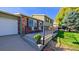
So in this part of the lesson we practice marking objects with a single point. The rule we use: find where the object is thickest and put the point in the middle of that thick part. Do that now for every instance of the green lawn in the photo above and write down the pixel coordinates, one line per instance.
(69, 39)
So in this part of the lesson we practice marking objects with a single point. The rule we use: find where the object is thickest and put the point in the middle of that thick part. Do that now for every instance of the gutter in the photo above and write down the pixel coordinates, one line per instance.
(8, 13)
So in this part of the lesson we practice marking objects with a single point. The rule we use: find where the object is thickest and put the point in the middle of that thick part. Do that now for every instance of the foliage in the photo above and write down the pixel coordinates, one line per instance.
(71, 21)
(64, 11)
(69, 39)
(37, 37)
(60, 34)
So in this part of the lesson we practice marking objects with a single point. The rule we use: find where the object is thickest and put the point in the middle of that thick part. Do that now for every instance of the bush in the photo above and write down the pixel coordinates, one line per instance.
(37, 37)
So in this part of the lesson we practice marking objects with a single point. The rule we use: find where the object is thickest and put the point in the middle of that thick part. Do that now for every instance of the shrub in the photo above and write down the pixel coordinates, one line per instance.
(37, 37)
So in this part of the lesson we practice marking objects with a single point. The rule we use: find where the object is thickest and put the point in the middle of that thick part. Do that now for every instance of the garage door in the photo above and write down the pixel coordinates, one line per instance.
(8, 26)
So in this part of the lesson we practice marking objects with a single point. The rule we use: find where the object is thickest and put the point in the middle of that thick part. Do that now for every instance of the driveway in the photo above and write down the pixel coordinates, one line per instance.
(16, 43)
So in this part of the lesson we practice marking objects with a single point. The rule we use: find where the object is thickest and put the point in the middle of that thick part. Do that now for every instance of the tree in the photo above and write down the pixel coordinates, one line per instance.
(71, 21)
(64, 11)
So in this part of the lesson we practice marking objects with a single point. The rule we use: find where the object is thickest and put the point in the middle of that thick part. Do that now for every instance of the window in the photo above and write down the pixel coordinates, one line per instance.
(47, 20)
(30, 23)
(40, 25)
(35, 24)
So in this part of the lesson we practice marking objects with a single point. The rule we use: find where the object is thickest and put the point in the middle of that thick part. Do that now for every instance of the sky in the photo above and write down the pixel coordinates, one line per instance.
(50, 11)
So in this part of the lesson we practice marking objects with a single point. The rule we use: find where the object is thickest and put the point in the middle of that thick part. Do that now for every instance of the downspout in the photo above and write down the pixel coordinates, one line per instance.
(21, 34)
(43, 33)
(52, 29)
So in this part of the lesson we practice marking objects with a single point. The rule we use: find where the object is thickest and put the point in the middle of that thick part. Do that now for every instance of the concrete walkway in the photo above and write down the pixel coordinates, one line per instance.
(16, 43)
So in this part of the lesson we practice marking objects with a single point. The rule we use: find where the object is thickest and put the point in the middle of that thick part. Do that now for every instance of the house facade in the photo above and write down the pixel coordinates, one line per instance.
(18, 24)
(22, 24)
(29, 24)
(11, 24)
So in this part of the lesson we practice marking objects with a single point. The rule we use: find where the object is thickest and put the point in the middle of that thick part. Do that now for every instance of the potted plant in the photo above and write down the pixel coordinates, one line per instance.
(37, 37)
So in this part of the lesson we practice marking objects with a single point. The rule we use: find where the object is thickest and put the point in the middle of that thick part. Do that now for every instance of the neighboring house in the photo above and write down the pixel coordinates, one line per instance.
(29, 24)
(47, 20)
(47, 24)
(8, 24)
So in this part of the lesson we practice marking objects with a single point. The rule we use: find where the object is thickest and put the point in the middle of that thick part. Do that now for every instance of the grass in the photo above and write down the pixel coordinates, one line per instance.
(69, 39)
